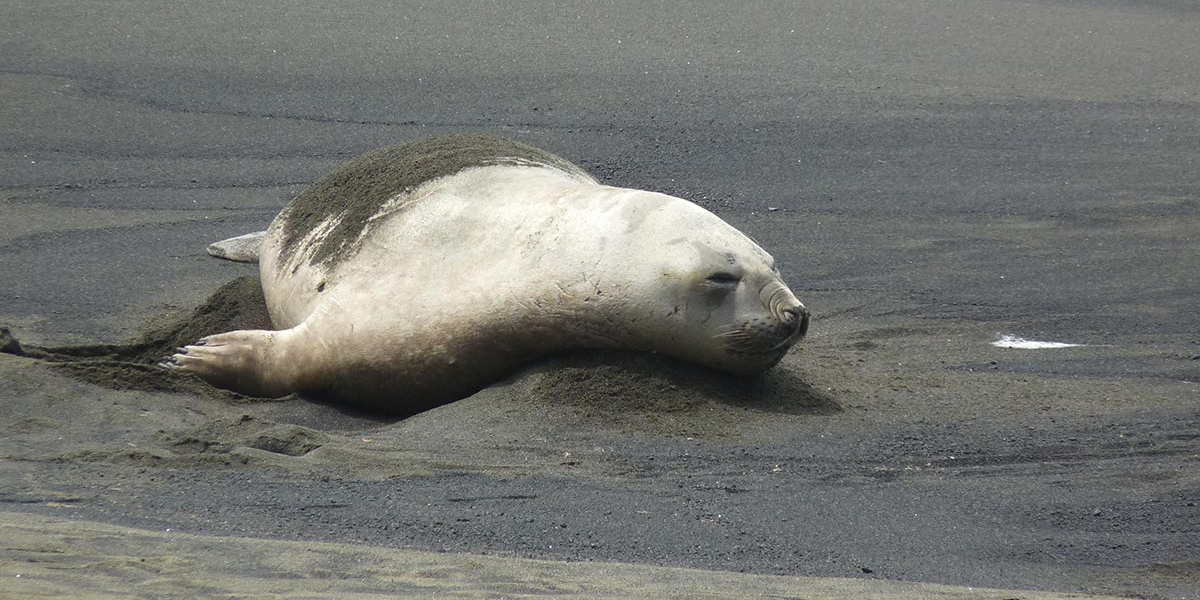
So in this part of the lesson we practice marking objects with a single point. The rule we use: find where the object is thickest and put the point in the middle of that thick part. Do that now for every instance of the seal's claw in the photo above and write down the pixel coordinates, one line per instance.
(181, 350)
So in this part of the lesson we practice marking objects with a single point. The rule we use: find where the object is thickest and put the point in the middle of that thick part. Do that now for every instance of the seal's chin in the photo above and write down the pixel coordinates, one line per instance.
(741, 363)
(767, 357)
(744, 360)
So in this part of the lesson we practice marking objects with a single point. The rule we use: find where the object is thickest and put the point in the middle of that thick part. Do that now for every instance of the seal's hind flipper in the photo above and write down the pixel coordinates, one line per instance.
(243, 248)
(243, 361)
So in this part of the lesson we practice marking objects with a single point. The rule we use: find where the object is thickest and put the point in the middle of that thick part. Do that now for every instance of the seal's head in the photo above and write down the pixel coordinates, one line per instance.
(714, 296)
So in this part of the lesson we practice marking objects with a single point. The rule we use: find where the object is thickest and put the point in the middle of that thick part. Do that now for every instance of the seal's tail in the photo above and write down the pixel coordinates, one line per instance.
(243, 248)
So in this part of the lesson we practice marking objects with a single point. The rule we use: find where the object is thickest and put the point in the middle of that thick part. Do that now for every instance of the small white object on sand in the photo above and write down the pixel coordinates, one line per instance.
(1012, 341)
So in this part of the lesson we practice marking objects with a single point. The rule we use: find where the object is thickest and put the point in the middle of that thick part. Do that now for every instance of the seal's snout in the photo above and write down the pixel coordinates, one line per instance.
(797, 316)
(788, 310)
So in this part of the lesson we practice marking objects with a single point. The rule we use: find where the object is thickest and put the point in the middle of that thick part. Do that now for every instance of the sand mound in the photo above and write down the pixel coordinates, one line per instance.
(657, 394)
(622, 387)
(133, 365)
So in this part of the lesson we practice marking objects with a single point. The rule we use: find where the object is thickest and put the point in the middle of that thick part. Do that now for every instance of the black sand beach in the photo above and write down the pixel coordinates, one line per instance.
(931, 175)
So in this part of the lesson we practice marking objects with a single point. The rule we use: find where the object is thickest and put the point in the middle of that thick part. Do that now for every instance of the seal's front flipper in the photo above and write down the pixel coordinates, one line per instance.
(243, 248)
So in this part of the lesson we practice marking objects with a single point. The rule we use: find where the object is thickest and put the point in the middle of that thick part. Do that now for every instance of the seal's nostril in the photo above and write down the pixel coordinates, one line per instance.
(792, 313)
(797, 316)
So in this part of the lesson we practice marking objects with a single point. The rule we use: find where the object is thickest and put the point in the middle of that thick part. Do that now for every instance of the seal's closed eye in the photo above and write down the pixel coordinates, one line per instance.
(723, 279)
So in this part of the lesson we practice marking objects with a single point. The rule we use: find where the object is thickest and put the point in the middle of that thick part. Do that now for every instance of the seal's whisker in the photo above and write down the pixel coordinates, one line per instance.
(734, 333)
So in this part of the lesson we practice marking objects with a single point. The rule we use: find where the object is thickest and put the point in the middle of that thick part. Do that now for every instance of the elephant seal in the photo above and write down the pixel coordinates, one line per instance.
(417, 274)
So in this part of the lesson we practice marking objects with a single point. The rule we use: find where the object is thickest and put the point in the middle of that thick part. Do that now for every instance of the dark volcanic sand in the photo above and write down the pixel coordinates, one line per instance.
(930, 175)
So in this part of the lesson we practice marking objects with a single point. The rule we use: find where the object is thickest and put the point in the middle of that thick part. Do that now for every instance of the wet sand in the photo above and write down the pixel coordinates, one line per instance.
(69, 559)
(930, 176)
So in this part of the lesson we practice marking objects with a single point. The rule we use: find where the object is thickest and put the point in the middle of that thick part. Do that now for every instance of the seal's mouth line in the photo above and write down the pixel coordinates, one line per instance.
(780, 348)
